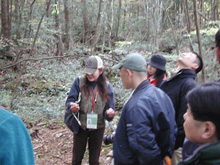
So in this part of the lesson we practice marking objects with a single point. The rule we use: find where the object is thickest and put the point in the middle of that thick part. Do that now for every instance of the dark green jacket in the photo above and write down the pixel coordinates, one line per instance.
(205, 154)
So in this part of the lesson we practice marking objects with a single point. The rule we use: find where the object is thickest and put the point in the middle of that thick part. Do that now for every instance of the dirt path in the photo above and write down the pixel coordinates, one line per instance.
(53, 146)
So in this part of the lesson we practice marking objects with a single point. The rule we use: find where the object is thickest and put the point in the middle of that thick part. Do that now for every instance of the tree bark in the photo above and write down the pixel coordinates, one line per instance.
(188, 22)
(97, 31)
(28, 30)
(59, 51)
(119, 18)
(6, 24)
(125, 15)
(198, 36)
(68, 25)
(216, 15)
(85, 21)
(111, 21)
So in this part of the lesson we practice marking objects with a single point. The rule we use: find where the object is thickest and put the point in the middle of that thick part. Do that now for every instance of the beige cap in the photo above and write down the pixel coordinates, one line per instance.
(92, 64)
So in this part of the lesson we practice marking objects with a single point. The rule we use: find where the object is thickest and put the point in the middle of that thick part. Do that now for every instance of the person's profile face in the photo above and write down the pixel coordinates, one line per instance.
(192, 127)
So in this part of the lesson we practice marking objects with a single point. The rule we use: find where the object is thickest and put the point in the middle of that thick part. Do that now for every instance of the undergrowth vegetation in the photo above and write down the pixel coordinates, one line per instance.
(44, 84)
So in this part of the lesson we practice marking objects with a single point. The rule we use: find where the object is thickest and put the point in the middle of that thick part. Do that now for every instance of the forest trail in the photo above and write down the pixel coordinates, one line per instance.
(53, 143)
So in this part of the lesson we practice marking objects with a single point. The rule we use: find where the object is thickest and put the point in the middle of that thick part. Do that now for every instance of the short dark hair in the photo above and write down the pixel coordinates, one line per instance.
(204, 103)
(217, 39)
(199, 62)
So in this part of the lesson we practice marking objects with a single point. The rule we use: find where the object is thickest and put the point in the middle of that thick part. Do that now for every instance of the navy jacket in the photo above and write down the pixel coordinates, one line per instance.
(146, 130)
(176, 88)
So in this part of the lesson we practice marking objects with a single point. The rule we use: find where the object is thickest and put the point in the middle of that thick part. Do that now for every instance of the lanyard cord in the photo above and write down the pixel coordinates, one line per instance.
(94, 97)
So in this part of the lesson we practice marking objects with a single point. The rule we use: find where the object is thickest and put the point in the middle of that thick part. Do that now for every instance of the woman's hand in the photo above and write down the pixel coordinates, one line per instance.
(74, 107)
(110, 113)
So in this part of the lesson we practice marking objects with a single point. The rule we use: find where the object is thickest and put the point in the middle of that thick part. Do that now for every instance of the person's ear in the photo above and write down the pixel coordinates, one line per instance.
(129, 72)
(209, 130)
(195, 66)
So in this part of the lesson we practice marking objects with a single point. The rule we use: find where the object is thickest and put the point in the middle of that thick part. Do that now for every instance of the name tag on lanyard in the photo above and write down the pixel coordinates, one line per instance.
(92, 118)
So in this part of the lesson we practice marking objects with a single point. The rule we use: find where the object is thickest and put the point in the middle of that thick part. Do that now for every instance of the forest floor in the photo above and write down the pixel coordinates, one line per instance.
(53, 143)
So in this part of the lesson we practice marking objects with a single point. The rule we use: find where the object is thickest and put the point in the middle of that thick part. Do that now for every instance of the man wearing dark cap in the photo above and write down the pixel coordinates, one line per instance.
(146, 131)
(188, 65)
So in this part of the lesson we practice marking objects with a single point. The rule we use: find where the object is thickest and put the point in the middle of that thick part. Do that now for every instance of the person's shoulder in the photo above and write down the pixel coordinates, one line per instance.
(6, 116)
(151, 92)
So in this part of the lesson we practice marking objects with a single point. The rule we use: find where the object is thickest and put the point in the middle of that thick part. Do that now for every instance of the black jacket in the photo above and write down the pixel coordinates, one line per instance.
(176, 88)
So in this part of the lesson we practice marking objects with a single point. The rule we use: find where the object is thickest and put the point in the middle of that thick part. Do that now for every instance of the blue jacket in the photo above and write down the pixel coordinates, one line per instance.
(15, 141)
(146, 130)
(176, 88)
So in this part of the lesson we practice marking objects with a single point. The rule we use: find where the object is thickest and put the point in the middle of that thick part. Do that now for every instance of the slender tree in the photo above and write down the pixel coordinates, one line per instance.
(198, 36)
(98, 24)
(186, 9)
(119, 19)
(6, 24)
(85, 21)
(58, 36)
(68, 25)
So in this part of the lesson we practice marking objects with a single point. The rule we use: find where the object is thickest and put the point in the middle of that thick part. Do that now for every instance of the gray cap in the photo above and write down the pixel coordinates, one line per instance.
(133, 61)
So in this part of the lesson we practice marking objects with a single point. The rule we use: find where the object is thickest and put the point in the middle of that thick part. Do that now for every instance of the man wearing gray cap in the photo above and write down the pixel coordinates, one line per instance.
(146, 130)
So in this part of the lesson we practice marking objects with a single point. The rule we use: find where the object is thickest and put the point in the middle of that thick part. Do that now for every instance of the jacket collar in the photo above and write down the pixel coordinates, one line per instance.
(184, 73)
(142, 85)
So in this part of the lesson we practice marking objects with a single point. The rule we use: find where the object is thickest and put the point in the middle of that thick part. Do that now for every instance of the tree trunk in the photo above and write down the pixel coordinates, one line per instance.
(216, 15)
(111, 21)
(6, 24)
(28, 30)
(202, 11)
(118, 22)
(59, 51)
(85, 21)
(97, 31)
(198, 36)
(18, 16)
(125, 15)
(188, 22)
(214, 10)
(68, 25)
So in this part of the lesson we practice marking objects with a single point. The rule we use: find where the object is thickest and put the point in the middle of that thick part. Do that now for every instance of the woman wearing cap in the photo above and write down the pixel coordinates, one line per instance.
(156, 71)
(95, 103)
